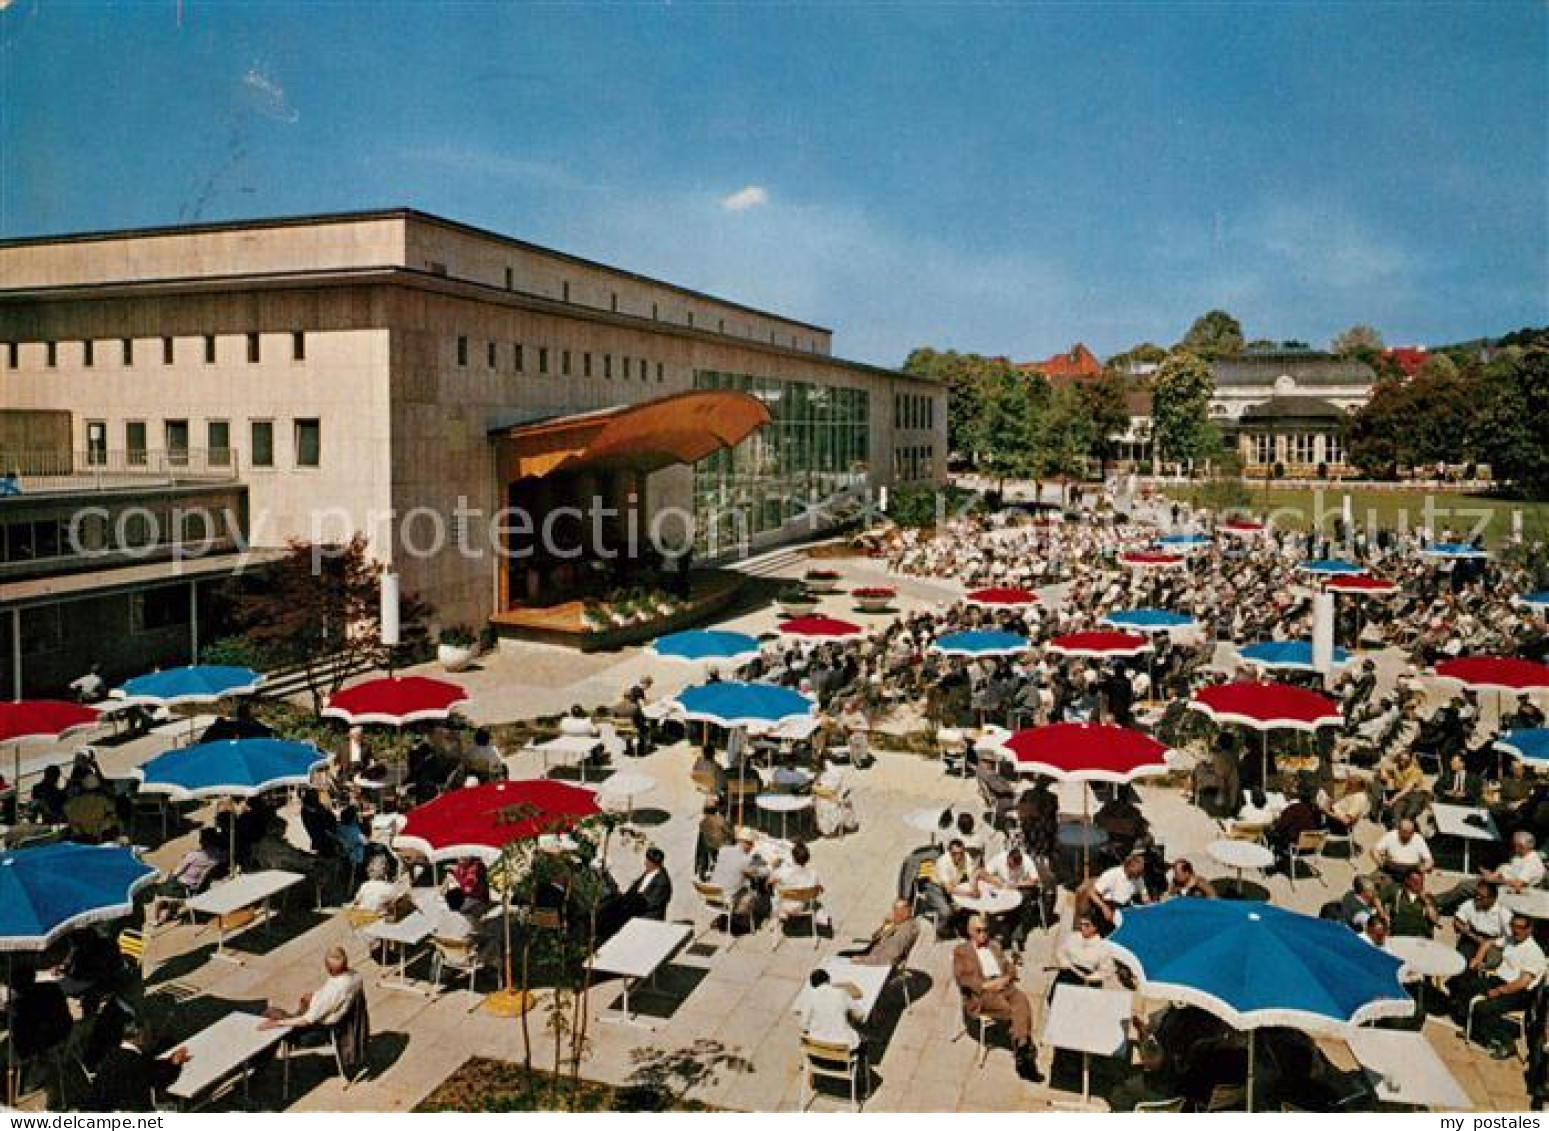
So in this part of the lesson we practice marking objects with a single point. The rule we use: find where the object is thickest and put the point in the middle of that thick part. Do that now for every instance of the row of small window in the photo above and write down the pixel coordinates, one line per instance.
(914, 410)
(137, 528)
(1297, 447)
(126, 351)
(539, 356)
(917, 462)
(307, 433)
(151, 610)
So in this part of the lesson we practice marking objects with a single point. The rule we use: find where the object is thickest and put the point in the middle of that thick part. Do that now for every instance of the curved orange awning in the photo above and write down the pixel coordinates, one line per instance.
(682, 428)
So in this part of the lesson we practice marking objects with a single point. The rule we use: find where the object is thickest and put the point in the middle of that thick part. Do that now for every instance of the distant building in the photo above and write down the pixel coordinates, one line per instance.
(1078, 363)
(1408, 358)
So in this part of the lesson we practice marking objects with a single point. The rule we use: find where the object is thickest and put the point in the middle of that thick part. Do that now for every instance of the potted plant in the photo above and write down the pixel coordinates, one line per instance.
(797, 601)
(622, 611)
(454, 648)
(821, 580)
(873, 599)
(594, 617)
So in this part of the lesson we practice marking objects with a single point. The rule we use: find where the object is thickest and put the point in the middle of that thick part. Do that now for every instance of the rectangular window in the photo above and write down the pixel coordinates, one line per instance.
(134, 442)
(96, 442)
(586, 364)
(624, 362)
(510, 279)
(720, 325)
(655, 312)
(690, 317)
(564, 363)
(13, 354)
(613, 301)
(176, 432)
(209, 349)
(309, 443)
(51, 355)
(128, 348)
(254, 349)
(88, 353)
(564, 291)
(157, 610)
(261, 443)
(462, 351)
(166, 351)
(543, 359)
(298, 345)
(607, 366)
(218, 436)
(521, 361)
(43, 630)
(489, 355)
(659, 372)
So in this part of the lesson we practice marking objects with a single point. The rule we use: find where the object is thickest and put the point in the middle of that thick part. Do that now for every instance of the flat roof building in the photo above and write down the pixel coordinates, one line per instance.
(400, 374)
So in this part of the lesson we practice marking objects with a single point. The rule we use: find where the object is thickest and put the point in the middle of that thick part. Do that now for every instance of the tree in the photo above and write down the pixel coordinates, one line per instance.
(1007, 434)
(1359, 339)
(1214, 334)
(967, 377)
(1105, 402)
(1146, 353)
(1180, 407)
(319, 609)
(1066, 434)
(1430, 418)
(1511, 396)
(1438, 365)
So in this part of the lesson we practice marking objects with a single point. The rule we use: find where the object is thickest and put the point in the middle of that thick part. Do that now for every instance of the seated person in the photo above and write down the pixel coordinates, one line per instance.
(320, 823)
(1354, 806)
(956, 874)
(709, 775)
(350, 836)
(378, 893)
(1457, 786)
(1525, 868)
(1300, 816)
(891, 943)
(646, 898)
(795, 874)
(1084, 957)
(40, 1017)
(1481, 923)
(827, 1011)
(1410, 910)
(192, 873)
(740, 875)
(1404, 782)
(92, 968)
(325, 1006)
(47, 799)
(1184, 881)
(1015, 870)
(471, 877)
(1122, 820)
(92, 814)
(273, 852)
(715, 833)
(482, 759)
(576, 723)
(1402, 850)
(129, 1076)
(986, 978)
(1156, 1081)
(454, 924)
(1117, 888)
(1506, 988)
(1360, 903)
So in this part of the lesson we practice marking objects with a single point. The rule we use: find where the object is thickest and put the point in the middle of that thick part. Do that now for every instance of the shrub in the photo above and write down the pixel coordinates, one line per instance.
(457, 636)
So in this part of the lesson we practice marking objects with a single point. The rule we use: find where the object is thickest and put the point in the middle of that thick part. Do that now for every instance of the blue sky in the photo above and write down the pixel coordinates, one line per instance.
(991, 177)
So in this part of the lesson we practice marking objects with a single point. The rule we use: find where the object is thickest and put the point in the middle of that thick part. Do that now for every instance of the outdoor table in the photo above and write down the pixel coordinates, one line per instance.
(792, 779)
(1082, 836)
(783, 804)
(1404, 1069)
(928, 821)
(1423, 960)
(990, 901)
(239, 894)
(659, 711)
(577, 748)
(869, 980)
(1091, 1021)
(1532, 902)
(410, 931)
(218, 1052)
(1450, 821)
(638, 951)
(1240, 855)
(627, 786)
(771, 850)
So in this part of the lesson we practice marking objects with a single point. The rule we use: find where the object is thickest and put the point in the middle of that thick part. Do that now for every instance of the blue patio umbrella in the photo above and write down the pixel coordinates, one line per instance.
(1531, 745)
(980, 644)
(1287, 655)
(1454, 551)
(1330, 567)
(238, 767)
(1183, 541)
(49, 891)
(1256, 966)
(199, 683)
(1539, 600)
(1148, 620)
(731, 648)
(733, 704)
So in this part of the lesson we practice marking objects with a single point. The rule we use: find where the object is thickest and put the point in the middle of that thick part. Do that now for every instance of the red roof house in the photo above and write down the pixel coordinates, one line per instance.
(1078, 363)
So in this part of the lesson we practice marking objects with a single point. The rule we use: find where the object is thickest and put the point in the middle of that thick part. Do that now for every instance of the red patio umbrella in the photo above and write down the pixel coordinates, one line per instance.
(1003, 596)
(1496, 673)
(1151, 559)
(1100, 645)
(40, 720)
(1265, 707)
(818, 627)
(481, 820)
(1242, 526)
(396, 700)
(1360, 585)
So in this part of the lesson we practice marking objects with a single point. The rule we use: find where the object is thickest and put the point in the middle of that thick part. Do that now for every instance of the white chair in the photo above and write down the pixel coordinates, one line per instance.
(1308, 845)
(715, 900)
(461, 957)
(983, 1023)
(797, 903)
(613, 745)
(824, 1060)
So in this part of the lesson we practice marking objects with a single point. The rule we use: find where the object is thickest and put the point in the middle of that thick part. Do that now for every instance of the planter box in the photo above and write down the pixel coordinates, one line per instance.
(873, 604)
(821, 584)
(796, 607)
(454, 657)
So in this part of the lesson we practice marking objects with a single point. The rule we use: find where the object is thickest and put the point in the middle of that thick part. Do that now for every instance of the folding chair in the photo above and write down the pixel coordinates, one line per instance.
(823, 1060)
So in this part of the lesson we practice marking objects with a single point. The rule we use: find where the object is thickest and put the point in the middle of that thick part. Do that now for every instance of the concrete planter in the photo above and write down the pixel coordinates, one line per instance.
(454, 657)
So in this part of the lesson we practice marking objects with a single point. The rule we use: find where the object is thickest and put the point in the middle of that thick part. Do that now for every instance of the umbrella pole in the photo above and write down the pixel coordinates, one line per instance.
(1264, 760)
(1251, 1052)
(1086, 839)
(10, 1032)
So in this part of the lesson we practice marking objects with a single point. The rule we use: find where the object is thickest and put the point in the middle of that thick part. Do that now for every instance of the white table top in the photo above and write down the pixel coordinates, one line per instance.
(640, 948)
(574, 744)
(791, 730)
(792, 777)
(1240, 854)
(1087, 1019)
(627, 785)
(1404, 1069)
(870, 980)
(928, 820)
(658, 711)
(1425, 958)
(1532, 902)
(243, 891)
(1449, 822)
(989, 901)
(411, 930)
(219, 1050)
(782, 802)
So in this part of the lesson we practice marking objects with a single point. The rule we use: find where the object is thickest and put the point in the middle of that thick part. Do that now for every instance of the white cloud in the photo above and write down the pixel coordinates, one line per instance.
(267, 96)
(753, 196)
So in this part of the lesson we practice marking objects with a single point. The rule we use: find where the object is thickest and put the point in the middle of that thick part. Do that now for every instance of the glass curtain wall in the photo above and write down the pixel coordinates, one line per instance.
(817, 445)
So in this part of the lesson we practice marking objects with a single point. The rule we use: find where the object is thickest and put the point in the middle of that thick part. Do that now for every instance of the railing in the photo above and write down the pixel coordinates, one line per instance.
(98, 468)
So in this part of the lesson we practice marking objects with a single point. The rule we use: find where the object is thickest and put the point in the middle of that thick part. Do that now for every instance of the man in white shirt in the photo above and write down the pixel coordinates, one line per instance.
(1507, 988)
(1118, 887)
(1524, 870)
(1481, 922)
(826, 1011)
(1402, 850)
(325, 1006)
(483, 757)
(735, 871)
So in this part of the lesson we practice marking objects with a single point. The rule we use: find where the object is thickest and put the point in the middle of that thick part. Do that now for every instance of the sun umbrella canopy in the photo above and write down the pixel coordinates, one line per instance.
(732, 704)
(1330, 567)
(1496, 673)
(1267, 706)
(1360, 585)
(199, 683)
(483, 820)
(46, 892)
(1539, 600)
(1148, 620)
(819, 627)
(1454, 551)
(980, 644)
(1532, 745)
(396, 700)
(1183, 541)
(1254, 965)
(1100, 645)
(1151, 559)
(732, 648)
(238, 767)
(1242, 526)
(42, 720)
(1003, 596)
(1087, 752)
(1287, 655)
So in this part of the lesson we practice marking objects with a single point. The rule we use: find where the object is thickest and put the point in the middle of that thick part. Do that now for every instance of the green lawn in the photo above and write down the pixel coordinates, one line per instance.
(1299, 509)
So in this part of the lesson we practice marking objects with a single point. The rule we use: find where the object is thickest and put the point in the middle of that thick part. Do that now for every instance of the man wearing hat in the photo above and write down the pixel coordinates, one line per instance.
(740, 874)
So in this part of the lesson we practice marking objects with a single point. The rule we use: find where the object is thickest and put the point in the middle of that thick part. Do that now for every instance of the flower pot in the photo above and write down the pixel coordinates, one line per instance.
(874, 603)
(821, 582)
(454, 657)
(796, 606)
